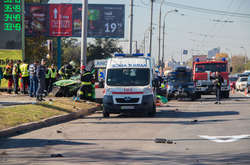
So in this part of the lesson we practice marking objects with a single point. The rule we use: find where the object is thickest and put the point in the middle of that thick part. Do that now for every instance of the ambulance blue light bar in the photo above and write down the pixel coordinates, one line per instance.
(138, 54)
(120, 55)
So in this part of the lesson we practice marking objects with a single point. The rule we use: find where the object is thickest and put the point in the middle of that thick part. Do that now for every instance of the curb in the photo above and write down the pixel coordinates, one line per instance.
(24, 128)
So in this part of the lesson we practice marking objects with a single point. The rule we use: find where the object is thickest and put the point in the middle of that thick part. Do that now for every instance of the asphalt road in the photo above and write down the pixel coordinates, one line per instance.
(130, 140)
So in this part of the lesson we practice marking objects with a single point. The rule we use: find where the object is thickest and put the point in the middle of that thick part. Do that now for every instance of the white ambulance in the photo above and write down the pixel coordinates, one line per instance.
(129, 85)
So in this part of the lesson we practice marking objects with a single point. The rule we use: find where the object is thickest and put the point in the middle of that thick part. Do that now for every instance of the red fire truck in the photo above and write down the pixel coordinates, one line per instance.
(202, 72)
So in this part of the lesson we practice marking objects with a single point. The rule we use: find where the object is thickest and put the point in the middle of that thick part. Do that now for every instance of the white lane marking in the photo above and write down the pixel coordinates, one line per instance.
(224, 139)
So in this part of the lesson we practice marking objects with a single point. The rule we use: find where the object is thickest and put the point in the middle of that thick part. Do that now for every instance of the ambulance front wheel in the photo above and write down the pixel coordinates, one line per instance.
(152, 111)
(105, 112)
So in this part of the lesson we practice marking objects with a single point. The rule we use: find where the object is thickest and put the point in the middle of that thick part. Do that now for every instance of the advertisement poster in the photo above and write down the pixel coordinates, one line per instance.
(104, 20)
(36, 20)
(60, 19)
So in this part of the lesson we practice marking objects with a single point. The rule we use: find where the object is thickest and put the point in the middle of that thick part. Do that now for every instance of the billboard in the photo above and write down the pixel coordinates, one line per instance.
(104, 20)
(10, 24)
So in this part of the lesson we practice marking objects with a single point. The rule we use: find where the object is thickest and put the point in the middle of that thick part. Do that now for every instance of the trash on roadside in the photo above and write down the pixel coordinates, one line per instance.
(170, 142)
(163, 140)
(56, 155)
(58, 131)
(160, 140)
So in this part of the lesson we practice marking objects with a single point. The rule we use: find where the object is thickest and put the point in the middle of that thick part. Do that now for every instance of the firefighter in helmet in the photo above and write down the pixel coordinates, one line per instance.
(86, 90)
(68, 70)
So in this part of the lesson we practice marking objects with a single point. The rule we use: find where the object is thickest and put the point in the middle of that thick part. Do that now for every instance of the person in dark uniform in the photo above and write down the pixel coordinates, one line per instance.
(40, 73)
(218, 80)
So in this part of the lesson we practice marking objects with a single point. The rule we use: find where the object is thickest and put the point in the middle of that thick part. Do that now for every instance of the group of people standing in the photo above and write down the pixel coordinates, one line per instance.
(36, 78)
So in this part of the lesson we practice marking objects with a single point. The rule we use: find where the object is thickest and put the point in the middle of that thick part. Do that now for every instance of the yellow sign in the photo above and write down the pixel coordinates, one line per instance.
(7, 55)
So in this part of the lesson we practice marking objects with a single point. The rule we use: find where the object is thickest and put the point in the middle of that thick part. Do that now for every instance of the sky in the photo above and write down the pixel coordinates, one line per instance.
(188, 29)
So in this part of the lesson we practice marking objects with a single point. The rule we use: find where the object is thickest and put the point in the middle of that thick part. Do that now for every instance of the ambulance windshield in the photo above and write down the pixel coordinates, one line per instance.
(128, 77)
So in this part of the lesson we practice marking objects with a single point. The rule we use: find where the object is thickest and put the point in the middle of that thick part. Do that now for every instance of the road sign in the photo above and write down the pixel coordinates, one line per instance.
(10, 24)
(185, 52)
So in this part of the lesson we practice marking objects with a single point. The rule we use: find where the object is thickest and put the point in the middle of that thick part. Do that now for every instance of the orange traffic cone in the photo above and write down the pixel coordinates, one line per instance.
(233, 91)
(246, 91)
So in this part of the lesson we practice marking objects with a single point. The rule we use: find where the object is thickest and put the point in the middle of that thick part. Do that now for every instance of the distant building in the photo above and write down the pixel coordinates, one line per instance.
(171, 63)
(212, 53)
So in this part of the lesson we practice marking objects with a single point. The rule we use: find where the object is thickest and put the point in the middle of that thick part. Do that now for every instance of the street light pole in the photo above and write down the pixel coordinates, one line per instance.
(131, 26)
(151, 26)
(159, 45)
(84, 32)
(245, 53)
(163, 38)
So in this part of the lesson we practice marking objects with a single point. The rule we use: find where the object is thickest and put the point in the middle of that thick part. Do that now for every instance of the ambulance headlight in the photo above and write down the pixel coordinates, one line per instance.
(148, 91)
(107, 91)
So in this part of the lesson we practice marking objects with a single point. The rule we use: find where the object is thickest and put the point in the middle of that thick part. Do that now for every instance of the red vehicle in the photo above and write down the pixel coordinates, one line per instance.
(202, 72)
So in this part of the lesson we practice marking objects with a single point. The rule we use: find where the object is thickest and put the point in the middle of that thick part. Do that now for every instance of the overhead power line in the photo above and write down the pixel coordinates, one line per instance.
(208, 11)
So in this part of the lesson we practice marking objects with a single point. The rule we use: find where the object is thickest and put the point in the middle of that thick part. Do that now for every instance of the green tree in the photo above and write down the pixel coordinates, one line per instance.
(238, 64)
(102, 49)
(35, 48)
(71, 50)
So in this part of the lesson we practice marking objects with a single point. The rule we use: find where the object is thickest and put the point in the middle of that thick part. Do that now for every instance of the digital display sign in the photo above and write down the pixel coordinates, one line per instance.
(104, 20)
(10, 24)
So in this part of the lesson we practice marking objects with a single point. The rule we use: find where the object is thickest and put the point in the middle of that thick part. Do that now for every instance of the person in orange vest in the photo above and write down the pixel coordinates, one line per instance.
(8, 75)
(24, 67)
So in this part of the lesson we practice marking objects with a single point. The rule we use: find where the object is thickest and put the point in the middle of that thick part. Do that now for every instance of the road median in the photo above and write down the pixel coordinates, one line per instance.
(19, 119)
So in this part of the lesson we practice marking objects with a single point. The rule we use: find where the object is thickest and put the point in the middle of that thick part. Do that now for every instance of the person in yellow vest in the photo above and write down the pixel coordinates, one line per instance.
(53, 76)
(47, 79)
(24, 67)
(7, 74)
(16, 74)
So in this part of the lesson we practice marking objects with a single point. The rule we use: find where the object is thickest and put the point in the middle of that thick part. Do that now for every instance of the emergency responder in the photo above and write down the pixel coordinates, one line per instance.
(68, 70)
(33, 79)
(1, 75)
(53, 76)
(218, 80)
(86, 90)
(40, 73)
(24, 77)
(8, 75)
(16, 74)
(47, 80)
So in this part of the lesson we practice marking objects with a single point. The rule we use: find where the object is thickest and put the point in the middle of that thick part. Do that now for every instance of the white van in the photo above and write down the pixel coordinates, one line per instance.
(129, 85)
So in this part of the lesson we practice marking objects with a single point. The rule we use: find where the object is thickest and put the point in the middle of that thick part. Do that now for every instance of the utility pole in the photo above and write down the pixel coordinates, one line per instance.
(84, 32)
(151, 27)
(131, 27)
(23, 30)
(159, 39)
(163, 46)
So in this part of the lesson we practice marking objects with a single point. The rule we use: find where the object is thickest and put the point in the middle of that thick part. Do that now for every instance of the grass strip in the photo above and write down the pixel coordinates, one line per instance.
(15, 115)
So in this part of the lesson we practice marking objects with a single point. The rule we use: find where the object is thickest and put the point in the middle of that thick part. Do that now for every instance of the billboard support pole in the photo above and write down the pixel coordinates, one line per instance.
(58, 52)
(84, 32)
(131, 26)
(23, 31)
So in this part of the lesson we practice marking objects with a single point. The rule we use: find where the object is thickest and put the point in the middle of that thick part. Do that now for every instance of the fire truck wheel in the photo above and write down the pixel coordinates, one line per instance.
(105, 112)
